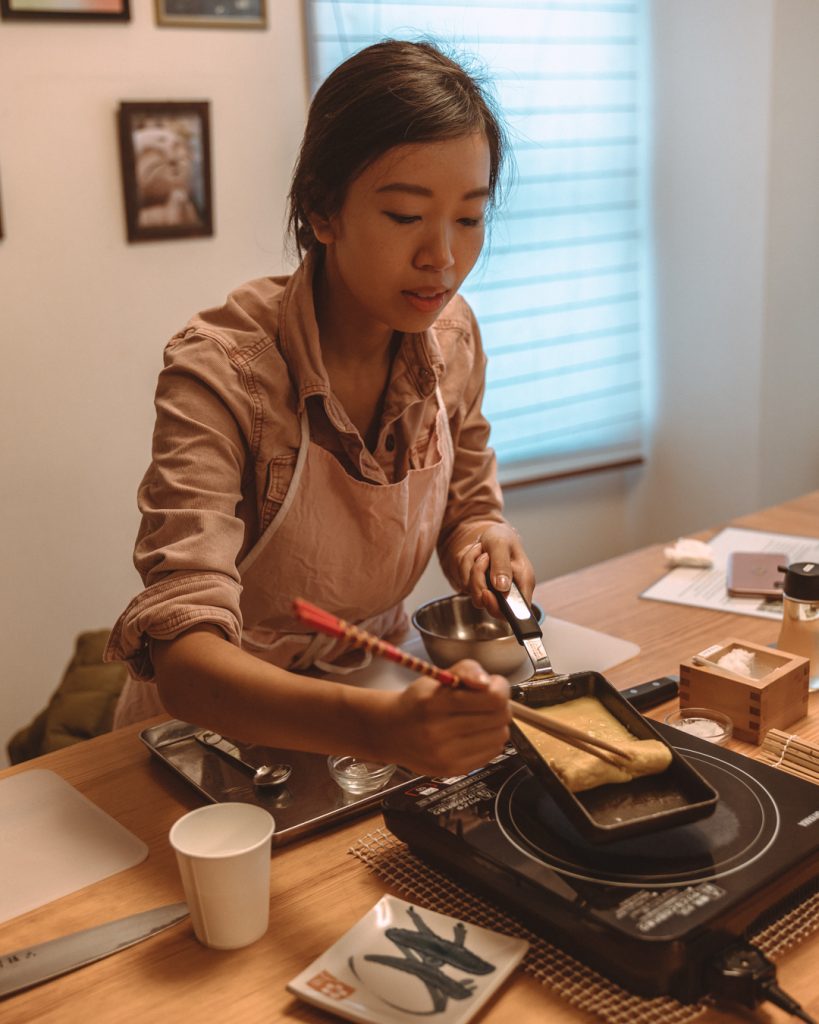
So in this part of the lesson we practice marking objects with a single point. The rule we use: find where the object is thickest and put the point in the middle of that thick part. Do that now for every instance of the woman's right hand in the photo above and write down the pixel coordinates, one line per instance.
(434, 729)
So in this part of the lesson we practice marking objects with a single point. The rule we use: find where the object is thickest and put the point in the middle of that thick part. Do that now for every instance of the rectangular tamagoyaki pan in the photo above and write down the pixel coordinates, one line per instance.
(676, 796)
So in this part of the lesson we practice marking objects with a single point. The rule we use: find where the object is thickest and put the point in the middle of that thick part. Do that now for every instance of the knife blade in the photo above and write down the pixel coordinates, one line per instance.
(32, 965)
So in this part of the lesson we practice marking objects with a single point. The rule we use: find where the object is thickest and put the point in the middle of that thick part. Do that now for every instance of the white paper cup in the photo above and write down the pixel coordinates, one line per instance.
(223, 853)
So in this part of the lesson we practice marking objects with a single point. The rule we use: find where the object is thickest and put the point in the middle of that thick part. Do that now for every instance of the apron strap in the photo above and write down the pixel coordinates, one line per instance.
(279, 517)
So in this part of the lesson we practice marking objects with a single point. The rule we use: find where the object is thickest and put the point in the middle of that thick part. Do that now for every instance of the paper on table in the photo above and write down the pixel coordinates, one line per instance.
(706, 588)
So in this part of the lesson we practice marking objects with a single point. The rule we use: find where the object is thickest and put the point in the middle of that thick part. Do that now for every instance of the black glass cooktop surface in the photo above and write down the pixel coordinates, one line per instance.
(647, 911)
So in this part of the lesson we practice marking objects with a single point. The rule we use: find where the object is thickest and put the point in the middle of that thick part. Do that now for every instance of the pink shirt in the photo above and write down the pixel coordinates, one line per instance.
(227, 436)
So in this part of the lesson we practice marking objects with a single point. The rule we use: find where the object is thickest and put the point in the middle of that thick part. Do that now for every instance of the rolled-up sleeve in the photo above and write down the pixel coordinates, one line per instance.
(191, 531)
(475, 498)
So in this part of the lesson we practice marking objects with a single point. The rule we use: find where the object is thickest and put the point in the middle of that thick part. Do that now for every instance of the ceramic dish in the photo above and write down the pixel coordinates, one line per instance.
(703, 722)
(401, 962)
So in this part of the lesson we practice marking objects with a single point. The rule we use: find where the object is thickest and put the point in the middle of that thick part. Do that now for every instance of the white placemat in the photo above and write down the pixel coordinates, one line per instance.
(53, 841)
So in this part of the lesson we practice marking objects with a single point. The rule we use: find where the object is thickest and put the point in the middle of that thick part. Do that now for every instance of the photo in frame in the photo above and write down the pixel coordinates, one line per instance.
(90, 10)
(166, 177)
(212, 13)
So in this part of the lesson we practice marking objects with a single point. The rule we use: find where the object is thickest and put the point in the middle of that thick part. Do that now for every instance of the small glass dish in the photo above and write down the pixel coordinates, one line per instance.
(357, 776)
(705, 723)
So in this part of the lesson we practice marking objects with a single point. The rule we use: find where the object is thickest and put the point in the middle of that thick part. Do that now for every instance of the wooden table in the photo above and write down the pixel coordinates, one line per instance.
(319, 890)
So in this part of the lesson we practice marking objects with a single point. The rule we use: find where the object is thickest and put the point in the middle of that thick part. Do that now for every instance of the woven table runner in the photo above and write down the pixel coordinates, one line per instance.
(389, 859)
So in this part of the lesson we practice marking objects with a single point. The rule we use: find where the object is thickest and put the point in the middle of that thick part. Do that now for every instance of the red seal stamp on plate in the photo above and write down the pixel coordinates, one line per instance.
(330, 986)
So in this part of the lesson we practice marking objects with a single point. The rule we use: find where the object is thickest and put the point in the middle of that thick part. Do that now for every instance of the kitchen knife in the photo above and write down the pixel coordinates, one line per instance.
(35, 964)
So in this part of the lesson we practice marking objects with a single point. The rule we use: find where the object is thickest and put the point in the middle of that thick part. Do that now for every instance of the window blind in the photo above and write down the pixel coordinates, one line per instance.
(558, 293)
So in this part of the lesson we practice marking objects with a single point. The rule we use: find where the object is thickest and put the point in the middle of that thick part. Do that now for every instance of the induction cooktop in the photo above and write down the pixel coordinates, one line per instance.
(651, 912)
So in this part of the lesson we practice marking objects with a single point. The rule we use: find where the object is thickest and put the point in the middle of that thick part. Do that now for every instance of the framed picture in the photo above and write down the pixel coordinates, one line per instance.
(165, 155)
(97, 10)
(212, 13)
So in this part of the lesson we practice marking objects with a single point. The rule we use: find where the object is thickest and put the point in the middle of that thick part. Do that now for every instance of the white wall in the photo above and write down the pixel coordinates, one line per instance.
(84, 316)
(712, 73)
(789, 382)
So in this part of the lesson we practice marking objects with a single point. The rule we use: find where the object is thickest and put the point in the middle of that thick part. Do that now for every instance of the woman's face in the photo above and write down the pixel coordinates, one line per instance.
(409, 231)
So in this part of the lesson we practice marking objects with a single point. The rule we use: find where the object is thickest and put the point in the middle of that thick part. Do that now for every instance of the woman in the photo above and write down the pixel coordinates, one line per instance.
(319, 435)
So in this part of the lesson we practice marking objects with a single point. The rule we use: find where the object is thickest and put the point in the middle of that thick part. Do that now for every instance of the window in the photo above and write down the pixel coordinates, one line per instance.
(559, 293)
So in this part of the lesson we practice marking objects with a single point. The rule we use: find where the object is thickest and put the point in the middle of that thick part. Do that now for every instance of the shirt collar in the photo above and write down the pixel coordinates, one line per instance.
(299, 342)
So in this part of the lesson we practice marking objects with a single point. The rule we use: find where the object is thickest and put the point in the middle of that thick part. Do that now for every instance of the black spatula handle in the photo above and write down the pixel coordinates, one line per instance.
(517, 611)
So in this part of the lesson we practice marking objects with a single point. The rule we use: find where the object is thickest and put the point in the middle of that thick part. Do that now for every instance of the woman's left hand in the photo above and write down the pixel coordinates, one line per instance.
(499, 550)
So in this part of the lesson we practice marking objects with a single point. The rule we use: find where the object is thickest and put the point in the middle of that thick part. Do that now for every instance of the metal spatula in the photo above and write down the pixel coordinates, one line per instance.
(525, 626)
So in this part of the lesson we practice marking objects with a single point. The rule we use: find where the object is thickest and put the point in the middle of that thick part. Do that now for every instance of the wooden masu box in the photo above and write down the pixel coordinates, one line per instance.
(774, 697)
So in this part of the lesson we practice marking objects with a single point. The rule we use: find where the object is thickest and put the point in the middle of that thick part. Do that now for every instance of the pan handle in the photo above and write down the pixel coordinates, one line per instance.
(516, 611)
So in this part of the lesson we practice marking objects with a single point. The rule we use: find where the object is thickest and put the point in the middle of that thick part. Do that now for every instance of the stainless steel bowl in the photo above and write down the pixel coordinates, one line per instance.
(453, 628)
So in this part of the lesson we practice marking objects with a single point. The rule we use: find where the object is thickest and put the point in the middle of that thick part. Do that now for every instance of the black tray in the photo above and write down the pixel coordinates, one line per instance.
(308, 802)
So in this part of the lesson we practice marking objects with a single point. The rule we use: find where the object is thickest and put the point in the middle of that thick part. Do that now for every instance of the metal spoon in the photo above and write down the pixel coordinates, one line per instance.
(265, 775)
(272, 774)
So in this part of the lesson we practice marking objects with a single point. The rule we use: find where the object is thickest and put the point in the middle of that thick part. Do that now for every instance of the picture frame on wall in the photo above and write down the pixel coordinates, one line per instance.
(90, 10)
(166, 176)
(212, 13)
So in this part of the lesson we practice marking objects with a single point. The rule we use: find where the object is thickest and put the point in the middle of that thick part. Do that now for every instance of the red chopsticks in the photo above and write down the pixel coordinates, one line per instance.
(330, 624)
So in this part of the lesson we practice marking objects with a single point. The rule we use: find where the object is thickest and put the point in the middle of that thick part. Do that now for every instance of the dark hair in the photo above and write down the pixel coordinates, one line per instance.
(389, 94)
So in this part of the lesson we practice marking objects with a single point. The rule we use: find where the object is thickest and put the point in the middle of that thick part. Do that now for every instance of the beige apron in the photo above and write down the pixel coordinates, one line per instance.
(354, 548)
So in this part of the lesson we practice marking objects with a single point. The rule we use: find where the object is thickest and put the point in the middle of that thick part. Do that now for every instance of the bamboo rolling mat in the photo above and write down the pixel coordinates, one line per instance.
(790, 753)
